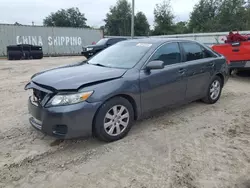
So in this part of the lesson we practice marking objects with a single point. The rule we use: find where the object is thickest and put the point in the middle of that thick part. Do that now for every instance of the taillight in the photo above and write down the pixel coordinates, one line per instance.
(228, 62)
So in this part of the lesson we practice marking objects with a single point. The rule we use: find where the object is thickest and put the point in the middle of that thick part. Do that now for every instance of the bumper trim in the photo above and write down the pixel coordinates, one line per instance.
(239, 65)
(58, 134)
(88, 54)
(36, 123)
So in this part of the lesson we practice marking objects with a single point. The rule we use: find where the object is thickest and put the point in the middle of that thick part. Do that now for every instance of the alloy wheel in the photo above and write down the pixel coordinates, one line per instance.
(116, 120)
(215, 90)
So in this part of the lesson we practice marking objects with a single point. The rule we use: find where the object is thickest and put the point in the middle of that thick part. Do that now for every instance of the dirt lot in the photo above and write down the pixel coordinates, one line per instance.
(193, 146)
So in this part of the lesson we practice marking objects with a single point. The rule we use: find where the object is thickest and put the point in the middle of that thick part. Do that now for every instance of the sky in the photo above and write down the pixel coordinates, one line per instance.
(26, 11)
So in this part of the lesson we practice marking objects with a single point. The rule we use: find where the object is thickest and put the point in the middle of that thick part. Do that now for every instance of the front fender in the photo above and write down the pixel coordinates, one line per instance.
(104, 91)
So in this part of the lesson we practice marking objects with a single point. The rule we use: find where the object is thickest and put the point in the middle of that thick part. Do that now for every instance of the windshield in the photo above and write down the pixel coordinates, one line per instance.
(121, 55)
(102, 42)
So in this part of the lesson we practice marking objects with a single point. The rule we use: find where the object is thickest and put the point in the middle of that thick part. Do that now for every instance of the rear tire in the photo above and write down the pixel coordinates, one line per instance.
(230, 71)
(114, 119)
(213, 91)
(9, 57)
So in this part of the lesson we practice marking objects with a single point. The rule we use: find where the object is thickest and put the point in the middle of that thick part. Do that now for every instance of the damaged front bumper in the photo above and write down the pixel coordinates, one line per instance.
(68, 121)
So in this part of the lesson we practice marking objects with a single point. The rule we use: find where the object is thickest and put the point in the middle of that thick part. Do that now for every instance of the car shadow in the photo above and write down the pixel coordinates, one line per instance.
(146, 121)
(243, 183)
(242, 76)
(140, 125)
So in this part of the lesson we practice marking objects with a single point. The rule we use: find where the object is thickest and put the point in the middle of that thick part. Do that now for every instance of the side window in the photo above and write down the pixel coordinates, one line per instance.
(206, 53)
(26, 48)
(168, 53)
(194, 51)
(111, 41)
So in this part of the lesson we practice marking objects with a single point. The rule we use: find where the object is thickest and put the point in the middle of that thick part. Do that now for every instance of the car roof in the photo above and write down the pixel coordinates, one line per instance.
(116, 38)
(160, 40)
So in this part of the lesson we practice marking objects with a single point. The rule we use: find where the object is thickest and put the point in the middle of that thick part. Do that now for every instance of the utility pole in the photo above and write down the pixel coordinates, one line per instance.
(133, 19)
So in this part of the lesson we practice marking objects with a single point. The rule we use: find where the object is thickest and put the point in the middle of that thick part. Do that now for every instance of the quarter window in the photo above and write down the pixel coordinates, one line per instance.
(168, 53)
(206, 53)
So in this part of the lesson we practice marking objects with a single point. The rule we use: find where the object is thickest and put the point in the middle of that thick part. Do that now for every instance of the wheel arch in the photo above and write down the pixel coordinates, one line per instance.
(221, 77)
(129, 98)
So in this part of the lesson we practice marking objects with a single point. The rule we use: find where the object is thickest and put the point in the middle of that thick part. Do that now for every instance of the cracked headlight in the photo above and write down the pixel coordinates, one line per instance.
(67, 99)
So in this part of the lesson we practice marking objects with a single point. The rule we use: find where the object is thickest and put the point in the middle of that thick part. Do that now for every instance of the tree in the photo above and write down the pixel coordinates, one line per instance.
(219, 15)
(17, 23)
(71, 17)
(141, 25)
(232, 15)
(181, 27)
(247, 14)
(203, 17)
(118, 20)
(163, 19)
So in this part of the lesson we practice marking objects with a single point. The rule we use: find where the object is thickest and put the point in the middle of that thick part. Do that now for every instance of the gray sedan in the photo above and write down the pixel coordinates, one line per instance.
(104, 95)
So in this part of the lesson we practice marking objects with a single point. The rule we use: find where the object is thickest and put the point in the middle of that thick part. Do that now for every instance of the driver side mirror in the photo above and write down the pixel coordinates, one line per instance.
(155, 65)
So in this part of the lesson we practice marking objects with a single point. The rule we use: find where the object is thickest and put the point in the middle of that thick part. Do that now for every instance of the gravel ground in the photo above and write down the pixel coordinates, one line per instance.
(192, 146)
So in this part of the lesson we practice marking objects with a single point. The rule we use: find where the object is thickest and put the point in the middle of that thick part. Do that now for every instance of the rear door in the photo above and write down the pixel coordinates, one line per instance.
(200, 66)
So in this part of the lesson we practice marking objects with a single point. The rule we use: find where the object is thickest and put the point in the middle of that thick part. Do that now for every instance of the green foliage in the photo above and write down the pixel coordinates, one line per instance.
(181, 28)
(17, 23)
(232, 15)
(203, 18)
(71, 17)
(118, 20)
(247, 15)
(141, 24)
(207, 16)
(219, 15)
(163, 19)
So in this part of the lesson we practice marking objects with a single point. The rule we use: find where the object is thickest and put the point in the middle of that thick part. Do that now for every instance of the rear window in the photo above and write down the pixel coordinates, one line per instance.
(102, 41)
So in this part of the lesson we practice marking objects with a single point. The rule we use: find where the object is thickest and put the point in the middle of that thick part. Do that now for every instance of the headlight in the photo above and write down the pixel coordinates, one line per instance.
(89, 49)
(66, 99)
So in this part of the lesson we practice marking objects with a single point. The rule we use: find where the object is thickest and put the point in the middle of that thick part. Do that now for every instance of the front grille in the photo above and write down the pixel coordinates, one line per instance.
(39, 95)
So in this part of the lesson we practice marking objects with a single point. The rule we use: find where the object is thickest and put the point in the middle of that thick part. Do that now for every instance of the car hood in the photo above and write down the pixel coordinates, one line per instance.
(72, 77)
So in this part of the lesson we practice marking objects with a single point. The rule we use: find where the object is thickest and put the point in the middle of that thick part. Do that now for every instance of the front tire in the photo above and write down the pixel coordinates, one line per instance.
(114, 119)
(213, 91)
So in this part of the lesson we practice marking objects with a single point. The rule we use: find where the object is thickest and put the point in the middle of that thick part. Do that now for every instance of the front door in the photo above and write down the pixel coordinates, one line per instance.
(163, 87)
(200, 67)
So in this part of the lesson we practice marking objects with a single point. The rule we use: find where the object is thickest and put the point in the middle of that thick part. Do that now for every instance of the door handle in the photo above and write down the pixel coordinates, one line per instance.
(181, 71)
(211, 64)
